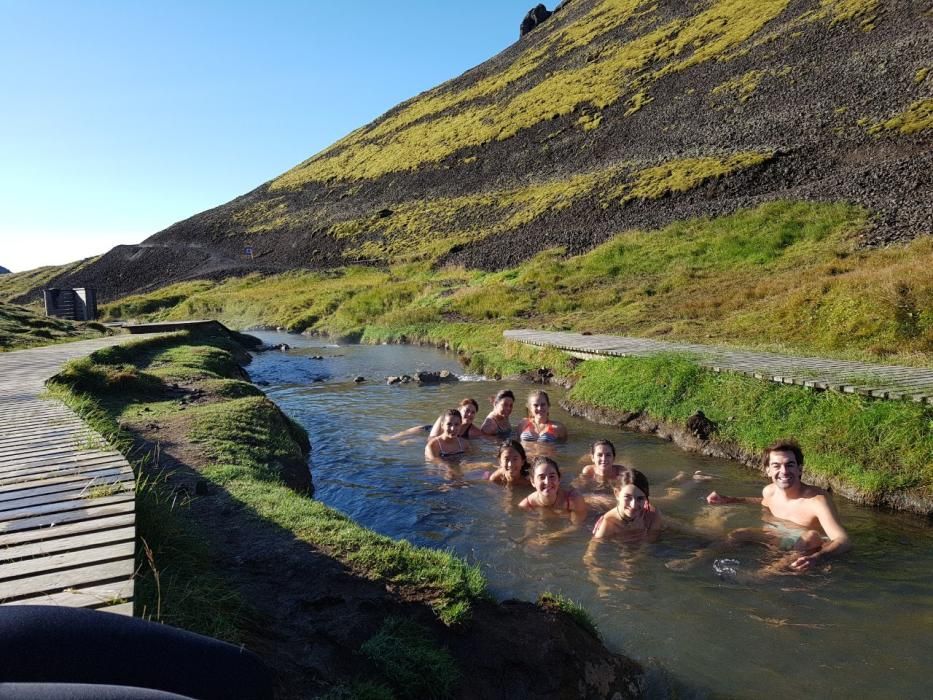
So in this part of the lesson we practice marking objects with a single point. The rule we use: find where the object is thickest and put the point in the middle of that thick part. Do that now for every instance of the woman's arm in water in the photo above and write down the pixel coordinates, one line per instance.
(717, 499)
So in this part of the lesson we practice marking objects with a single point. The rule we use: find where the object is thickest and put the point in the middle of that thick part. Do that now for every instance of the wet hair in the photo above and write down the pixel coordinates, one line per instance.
(782, 445)
(541, 459)
(471, 402)
(534, 395)
(607, 443)
(450, 413)
(633, 476)
(517, 446)
(503, 394)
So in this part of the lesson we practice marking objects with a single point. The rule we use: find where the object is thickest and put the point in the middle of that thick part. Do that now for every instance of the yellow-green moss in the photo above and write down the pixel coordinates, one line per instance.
(682, 175)
(921, 75)
(917, 117)
(742, 86)
(262, 216)
(420, 133)
(590, 121)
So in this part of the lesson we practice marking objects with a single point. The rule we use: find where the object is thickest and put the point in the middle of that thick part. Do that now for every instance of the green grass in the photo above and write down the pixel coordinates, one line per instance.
(22, 327)
(16, 284)
(785, 276)
(556, 601)
(253, 448)
(413, 663)
(874, 447)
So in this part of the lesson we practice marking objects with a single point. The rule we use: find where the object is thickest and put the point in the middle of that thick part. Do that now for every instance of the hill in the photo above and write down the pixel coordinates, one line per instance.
(612, 115)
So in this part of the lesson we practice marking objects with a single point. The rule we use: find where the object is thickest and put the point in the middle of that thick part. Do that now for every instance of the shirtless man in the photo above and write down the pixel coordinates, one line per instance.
(811, 509)
(789, 498)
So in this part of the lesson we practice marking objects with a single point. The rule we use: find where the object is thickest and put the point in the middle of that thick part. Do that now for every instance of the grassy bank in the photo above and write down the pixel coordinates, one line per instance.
(874, 449)
(22, 327)
(192, 385)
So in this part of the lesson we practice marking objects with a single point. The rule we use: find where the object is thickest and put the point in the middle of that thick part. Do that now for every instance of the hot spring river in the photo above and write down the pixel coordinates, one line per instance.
(863, 629)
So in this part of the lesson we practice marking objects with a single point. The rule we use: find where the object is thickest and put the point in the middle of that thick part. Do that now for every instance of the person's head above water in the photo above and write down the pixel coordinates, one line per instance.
(511, 457)
(502, 403)
(468, 409)
(545, 474)
(450, 420)
(603, 454)
(538, 404)
(783, 463)
(637, 479)
(783, 445)
(632, 494)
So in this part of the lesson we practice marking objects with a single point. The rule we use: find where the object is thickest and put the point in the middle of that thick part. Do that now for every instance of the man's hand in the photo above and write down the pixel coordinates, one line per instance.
(714, 499)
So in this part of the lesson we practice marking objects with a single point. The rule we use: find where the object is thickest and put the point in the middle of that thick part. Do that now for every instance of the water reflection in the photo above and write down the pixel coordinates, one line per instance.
(863, 627)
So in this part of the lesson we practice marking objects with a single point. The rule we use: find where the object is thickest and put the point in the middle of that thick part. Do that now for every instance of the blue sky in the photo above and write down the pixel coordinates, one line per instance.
(121, 117)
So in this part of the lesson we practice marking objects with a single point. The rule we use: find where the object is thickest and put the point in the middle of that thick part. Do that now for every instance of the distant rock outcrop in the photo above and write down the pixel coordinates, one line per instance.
(536, 15)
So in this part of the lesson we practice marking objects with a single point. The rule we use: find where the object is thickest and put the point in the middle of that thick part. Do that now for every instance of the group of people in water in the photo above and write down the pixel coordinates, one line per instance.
(801, 520)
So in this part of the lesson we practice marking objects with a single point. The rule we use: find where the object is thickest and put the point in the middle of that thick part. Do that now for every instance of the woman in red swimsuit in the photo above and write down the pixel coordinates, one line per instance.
(538, 426)
(633, 519)
(548, 495)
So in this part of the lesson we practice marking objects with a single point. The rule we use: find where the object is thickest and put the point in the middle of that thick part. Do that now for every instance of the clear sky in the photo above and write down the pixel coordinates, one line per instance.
(121, 117)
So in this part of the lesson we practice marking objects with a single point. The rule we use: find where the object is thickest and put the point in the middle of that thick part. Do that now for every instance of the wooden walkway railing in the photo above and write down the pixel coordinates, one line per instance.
(879, 381)
(67, 502)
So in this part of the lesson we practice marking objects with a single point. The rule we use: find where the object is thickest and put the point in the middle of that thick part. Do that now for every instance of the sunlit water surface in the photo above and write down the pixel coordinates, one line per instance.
(863, 628)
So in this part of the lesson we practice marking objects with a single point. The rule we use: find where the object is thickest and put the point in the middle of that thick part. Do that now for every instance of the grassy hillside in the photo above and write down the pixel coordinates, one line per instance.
(785, 276)
(613, 116)
(21, 327)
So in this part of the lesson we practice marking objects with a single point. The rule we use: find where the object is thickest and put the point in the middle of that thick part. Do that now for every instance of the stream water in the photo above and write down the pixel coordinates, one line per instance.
(863, 628)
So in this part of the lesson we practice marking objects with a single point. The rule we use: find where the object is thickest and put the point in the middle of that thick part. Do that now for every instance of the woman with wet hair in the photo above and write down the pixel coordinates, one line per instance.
(538, 426)
(513, 465)
(633, 519)
(549, 495)
(603, 467)
(468, 430)
(449, 443)
(497, 422)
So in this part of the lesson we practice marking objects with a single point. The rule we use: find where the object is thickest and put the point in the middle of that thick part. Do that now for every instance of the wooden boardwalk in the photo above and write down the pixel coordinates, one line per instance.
(879, 381)
(67, 503)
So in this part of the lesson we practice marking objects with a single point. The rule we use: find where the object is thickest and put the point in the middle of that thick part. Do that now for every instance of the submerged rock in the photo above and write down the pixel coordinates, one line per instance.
(436, 377)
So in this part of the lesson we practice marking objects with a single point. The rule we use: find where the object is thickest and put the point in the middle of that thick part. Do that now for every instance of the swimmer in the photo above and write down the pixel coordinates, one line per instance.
(806, 522)
(538, 426)
(548, 495)
(468, 408)
(513, 465)
(603, 467)
(449, 443)
(633, 519)
(497, 422)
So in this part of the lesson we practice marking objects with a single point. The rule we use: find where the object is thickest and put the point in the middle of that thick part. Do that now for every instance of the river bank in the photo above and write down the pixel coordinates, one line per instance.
(230, 549)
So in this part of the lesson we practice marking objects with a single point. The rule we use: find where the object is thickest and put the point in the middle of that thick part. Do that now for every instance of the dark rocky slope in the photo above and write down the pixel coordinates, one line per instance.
(634, 108)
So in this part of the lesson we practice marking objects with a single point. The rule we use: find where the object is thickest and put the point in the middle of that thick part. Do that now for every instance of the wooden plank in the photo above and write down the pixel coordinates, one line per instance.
(49, 532)
(9, 516)
(44, 521)
(62, 466)
(71, 456)
(85, 493)
(50, 482)
(67, 544)
(70, 578)
(25, 490)
(104, 594)
(66, 560)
